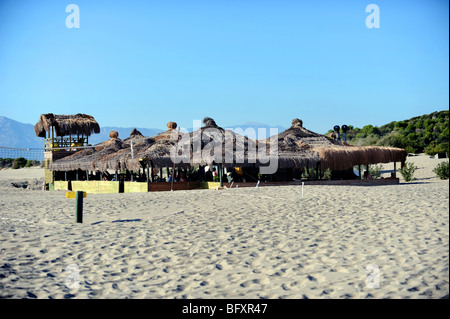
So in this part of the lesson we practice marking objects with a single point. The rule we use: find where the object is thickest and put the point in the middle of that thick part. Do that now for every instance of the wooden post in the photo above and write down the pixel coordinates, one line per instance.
(65, 176)
(173, 176)
(79, 207)
(87, 175)
(219, 166)
(174, 160)
(200, 173)
(395, 169)
(359, 170)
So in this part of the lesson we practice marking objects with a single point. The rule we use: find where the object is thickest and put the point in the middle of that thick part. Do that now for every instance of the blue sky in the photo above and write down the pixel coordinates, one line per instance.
(144, 63)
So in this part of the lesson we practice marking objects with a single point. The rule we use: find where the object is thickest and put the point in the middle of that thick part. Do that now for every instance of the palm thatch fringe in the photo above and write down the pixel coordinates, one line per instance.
(87, 159)
(81, 124)
(340, 158)
(219, 146)
(158, 154)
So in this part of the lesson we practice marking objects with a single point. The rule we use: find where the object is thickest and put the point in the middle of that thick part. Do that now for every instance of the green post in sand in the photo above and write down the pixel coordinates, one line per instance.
(79, 207)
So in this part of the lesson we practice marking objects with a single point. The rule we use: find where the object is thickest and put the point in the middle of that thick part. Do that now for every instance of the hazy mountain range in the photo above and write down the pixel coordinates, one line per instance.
(21, 135)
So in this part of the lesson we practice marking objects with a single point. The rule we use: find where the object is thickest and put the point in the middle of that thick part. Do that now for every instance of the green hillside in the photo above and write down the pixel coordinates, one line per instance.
(422, 134)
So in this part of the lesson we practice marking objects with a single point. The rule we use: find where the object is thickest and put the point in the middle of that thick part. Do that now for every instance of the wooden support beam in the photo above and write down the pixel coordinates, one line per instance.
(395, 169)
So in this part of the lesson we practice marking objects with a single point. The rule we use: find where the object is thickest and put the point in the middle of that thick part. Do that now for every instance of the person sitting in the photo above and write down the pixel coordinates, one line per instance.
(183, 178)
(367, 175)
(169, 179)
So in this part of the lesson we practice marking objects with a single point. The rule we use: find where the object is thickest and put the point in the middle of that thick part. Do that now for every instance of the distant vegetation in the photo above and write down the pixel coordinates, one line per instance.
(17, 163)
(423, 134)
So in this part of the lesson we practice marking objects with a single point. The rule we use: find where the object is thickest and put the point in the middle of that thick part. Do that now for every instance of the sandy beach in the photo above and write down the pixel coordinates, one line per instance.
(267, 242)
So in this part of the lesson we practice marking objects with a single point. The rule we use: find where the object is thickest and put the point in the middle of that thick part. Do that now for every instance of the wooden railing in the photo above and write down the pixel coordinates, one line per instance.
(54, 144)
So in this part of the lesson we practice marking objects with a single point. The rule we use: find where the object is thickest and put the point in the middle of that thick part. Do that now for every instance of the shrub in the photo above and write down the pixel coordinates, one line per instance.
(19, 163)
(375, 170)
(408, 171)
(6, 162)
(327, 174)
(441, 170)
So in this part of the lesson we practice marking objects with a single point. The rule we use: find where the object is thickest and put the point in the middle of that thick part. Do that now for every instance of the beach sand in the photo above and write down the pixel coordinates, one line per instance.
(267, 242)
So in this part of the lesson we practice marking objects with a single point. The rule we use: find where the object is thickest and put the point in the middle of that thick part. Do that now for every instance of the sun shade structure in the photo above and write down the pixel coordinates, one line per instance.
(88, 159)
(160, 152)
(63, 125)
(113, 154)
(295, 146)
(211, 144)
(299, 147)
(63, 136)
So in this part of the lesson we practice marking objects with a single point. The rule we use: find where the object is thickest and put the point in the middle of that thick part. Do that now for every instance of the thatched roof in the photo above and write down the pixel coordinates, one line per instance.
(158, 154)
(79, 124)
(340, 158)
(211, 144)
(88, 159)
(298, 146)
(115, 154)
(128, 156)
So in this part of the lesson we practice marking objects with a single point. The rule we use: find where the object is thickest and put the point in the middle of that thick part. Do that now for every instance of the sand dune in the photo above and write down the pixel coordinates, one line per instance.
(267, 242)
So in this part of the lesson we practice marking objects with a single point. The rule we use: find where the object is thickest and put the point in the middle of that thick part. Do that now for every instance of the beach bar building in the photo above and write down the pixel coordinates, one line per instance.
(63, 136)
(138, 163)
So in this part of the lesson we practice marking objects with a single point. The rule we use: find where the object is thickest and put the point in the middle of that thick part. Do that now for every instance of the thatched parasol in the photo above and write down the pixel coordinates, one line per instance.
(158, 154)
(127, 157)
(79, 124)
(295, 144)
(211, 144)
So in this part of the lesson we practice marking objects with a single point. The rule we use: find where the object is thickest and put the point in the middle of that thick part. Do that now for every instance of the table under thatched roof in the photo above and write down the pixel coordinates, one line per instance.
(79, 124)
